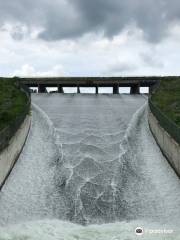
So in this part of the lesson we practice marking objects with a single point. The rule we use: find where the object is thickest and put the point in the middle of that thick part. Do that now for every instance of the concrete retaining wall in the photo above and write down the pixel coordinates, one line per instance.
(10, 154)
(169, 147)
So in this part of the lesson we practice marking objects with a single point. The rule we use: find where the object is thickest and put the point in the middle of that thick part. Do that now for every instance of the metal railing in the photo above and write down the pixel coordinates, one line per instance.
(9, 131)
(166, 123)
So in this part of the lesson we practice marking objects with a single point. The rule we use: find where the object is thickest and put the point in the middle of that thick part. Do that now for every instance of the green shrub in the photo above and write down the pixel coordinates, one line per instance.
(167, 98)
(12, 101)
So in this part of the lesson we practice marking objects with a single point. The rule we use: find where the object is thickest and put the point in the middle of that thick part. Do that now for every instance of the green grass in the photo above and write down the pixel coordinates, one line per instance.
(12, 101)
(167, 98)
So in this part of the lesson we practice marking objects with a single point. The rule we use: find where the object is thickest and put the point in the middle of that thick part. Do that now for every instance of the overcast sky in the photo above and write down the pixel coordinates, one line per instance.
(89, 37)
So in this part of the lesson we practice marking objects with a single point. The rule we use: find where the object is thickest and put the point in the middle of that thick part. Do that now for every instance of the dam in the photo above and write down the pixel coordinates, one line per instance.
(94, 82)
(90, 169)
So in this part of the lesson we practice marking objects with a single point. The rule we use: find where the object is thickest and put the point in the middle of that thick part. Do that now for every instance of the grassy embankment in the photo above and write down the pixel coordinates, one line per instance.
(12, 101)
(167, 98)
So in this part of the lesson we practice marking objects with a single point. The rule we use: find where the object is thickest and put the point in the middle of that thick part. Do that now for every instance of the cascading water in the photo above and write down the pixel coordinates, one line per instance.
(89, 160)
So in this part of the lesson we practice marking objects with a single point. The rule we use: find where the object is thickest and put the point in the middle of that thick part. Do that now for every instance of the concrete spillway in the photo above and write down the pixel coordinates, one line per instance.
(89, 160)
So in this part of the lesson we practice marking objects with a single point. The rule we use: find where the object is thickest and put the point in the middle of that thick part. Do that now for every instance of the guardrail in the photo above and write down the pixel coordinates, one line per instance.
(166, 123)
(8, 132)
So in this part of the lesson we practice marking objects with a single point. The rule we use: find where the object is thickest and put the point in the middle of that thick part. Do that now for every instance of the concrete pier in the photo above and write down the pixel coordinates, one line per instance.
(135, 89)
(60, 89)
(78, 90)
(97, 90)
(42, 88)
(116, 89)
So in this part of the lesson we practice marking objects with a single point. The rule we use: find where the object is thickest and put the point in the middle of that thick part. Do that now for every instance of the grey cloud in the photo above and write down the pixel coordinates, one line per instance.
(151, 60)
(66, 19)
(120, 67)
(18, 33)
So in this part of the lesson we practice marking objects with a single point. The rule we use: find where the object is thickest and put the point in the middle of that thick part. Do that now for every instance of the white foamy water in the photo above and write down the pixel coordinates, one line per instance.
(90, 160)
(58, 230)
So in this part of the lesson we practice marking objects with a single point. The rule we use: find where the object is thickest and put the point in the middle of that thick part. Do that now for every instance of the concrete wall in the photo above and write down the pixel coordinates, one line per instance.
(10, 154)
(169, 147)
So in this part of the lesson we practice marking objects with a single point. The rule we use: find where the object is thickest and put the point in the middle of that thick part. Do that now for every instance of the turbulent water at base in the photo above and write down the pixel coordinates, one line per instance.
(90, 170)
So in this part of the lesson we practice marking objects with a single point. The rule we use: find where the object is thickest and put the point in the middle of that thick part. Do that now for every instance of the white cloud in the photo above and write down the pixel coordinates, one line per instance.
(92, 55)
(29, 71)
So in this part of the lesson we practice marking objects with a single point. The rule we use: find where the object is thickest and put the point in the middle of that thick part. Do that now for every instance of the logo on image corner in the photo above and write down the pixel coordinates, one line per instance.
(139, 231)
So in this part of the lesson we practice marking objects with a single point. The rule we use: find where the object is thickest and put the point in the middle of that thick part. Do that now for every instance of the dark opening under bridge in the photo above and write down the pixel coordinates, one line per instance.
(115, 82)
